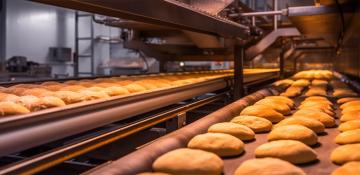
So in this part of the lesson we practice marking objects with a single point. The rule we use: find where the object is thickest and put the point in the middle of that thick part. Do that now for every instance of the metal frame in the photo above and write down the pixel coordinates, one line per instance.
(239, 56)
(182, 15)
(51, 158)
(26, 131)
(270, 38)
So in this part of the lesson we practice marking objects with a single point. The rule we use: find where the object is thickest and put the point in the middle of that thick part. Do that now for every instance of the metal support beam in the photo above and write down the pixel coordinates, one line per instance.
(164, 12)
(302, 11)
(239, 56)
(282, 62)
(76, 54)
(265, 42)
(2, 34)
(275, 5)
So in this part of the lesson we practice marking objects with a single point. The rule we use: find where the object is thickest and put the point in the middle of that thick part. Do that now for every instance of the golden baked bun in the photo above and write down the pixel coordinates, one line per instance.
(69, 97)
(146, 85)
(186, 161)
(26, 86)
(74, 88)
(277, 105)
(31, 102)
(351, 104)
(292, 91)
(348, 137)
(264, 112)
(134, 88)
(317, 98)
(268, 166)
(220, 144)
(347, 99)
(8, 97)
(50, 101)
(315, 92)
(257, 124)
(14, 90)
(346, 153)
(116, 90)
(322, 105)
(350, 168)
(48, 83)
(301, 83)
(285, 82)
(351, 115)
(312, 124)
(341, 93)
(11, 108)
(239, 131)
(39, 92)
(54, 87)
(124, 82)
(352, 109)
(319, 83)
(293, 132)
(93, 95)
(153, 173)
(324, 118)
(71, 82)
(105, 85)
(292, 151)
(349, 125)
(286, 100)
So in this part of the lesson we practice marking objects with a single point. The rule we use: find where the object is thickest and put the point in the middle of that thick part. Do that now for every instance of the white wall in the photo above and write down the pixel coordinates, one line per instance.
(31, 28)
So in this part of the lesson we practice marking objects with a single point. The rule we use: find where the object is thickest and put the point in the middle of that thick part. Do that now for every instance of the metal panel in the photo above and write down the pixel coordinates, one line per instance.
(163, 12)
(270, 38)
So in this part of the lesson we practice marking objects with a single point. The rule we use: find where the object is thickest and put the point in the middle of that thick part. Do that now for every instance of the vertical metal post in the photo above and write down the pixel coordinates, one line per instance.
(76, 54)
(92, 45)
(275, 5)
(2, 34)
(295, 64)
(282, 62)
(239, 56)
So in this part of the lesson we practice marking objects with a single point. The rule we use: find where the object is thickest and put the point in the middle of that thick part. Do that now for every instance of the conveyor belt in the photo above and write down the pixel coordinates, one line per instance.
(26, 131)
(322, 167)
(141, 160)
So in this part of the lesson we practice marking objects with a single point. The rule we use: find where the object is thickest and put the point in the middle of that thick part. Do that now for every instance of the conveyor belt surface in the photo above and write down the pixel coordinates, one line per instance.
(142, 159)
(135, 163)
(25, 131)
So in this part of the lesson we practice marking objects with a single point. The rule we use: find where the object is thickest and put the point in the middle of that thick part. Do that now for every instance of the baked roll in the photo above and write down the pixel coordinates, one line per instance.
(264, 112)
(69, 97)
(11, 108)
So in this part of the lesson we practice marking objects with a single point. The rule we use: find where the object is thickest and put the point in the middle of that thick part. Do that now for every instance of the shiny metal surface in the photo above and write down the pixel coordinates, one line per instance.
(141, 160)
(25, 131)
(172, 13)
(269, 39)
(51, 158)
